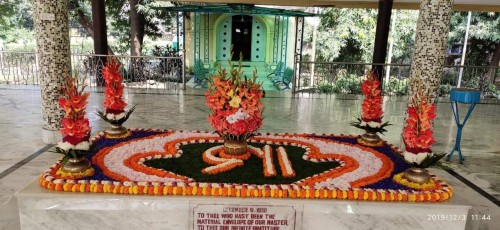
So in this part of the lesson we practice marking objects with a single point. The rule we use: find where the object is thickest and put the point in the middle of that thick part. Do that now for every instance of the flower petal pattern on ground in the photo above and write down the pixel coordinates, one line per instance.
(364, 173)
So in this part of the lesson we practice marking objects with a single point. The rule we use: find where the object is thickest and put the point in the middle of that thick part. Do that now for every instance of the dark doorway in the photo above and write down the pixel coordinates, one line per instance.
(242, 37)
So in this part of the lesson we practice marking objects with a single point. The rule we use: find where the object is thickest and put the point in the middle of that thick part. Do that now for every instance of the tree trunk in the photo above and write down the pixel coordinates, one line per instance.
(495, 60)
(84, 21)
(136, 29)
(137, 22)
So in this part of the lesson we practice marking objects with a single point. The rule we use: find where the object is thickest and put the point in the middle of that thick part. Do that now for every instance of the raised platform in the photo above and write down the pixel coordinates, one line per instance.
(45, 209)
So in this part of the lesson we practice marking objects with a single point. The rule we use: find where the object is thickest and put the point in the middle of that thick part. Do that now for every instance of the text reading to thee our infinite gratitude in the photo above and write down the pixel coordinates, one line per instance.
(239, 217)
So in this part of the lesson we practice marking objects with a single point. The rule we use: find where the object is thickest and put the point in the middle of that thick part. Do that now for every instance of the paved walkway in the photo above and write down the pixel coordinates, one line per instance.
(23, 156)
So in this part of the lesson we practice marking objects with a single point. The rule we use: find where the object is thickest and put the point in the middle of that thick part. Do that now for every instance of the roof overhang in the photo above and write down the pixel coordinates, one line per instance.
(237, 9)
(458, 5)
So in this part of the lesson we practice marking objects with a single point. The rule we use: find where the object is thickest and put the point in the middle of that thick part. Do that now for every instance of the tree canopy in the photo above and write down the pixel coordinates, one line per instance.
(483, 44)
(16, 22)
(348, 35)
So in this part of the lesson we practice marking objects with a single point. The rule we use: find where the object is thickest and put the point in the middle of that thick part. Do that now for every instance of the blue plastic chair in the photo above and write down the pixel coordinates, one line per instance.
(464, 96)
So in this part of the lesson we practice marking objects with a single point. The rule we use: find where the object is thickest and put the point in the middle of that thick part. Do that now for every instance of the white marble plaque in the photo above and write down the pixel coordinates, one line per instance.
(47, 16)
(243, 217)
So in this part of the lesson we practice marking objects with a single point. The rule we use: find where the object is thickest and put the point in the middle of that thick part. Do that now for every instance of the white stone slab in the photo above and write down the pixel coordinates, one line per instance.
(45, 209)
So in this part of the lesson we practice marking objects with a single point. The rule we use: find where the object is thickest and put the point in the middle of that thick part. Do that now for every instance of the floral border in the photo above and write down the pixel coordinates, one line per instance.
(189, 187)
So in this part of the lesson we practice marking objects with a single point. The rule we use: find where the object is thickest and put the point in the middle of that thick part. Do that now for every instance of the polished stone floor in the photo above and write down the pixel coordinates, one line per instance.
(20, 133)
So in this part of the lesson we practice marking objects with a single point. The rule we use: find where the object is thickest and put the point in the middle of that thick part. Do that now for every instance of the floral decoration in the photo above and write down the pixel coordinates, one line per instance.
(234, 101)
(372, 113)
(75, 126)
(365, 173)
(418, 133)
(113, 95)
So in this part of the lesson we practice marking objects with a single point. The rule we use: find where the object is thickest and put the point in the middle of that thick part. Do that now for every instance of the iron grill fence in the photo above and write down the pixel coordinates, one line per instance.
(21, 68)
(346, 78)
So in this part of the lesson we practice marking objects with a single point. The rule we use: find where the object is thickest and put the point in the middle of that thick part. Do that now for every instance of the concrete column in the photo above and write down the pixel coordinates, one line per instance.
(430, 45)
(52, 40)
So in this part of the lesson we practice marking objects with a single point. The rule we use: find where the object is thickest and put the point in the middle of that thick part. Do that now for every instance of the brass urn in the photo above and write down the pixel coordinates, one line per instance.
(235, 148)
(116, 130)
(371, 139)
(417, 175)
(76, 165)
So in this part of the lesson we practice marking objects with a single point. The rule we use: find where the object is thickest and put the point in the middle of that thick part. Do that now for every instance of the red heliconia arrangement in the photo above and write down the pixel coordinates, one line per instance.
(75, 126)
(113, 95)
(372, 104)
(418, 133)
(113, 101)
(372, 113)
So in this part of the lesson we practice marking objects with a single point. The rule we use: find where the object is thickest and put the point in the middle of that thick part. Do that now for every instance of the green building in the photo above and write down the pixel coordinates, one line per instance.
(267, 38)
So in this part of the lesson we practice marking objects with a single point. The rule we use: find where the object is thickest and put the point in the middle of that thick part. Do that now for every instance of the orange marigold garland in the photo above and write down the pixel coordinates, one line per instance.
(418, 134)
(113, 101)
(372, 114)
(234, 101)
(75, 126)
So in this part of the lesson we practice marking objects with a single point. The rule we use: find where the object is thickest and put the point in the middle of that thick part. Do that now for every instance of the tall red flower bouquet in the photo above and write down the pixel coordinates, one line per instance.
(234, 101)
(372, 114)
(113, 101)
(418, 133)
(75, 126)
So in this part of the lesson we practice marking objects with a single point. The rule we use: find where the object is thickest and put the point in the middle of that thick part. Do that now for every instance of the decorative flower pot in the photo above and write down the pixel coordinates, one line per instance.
(417, 175)
(370, 139)
(116, 130)
(235, 148)
(76, 165)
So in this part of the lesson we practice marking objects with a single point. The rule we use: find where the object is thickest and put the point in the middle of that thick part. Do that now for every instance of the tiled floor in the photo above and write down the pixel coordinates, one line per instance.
(20, 133)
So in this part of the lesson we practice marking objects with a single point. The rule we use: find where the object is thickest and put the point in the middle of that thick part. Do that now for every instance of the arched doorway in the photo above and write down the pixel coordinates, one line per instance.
(246, 33)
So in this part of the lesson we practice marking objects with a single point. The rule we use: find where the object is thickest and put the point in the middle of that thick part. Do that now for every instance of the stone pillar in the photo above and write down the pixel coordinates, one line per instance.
(430, 45)
(52, 40)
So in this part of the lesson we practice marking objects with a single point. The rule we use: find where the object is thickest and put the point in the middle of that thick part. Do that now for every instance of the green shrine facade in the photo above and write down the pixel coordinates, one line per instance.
(267, 38)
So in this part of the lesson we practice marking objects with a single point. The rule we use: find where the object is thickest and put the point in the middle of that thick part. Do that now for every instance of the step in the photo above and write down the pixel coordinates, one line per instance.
(46, 209)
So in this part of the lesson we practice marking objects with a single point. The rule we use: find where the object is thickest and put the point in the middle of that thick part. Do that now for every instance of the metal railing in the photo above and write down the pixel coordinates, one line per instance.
(346, 78)
(21, 68)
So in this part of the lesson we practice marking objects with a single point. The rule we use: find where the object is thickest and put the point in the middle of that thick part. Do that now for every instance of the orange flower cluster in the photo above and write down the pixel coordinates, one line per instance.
(372, 104)
(267, 162)
(285, 164)
(417, 134)
(235, 105)
(221, 164)
(228, 190)
(113, 100)
(98, 160)
(75, 125)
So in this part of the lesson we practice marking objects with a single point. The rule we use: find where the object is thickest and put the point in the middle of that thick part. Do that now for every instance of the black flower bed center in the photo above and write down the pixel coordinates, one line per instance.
(191, 163)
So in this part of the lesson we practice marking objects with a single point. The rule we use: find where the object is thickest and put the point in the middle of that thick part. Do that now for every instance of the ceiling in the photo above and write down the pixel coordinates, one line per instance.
(459, 5)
